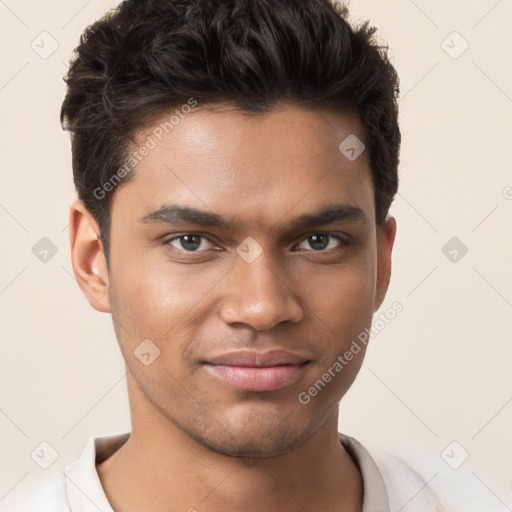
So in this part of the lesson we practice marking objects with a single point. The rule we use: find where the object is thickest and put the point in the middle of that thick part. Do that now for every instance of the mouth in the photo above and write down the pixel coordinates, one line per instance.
(257, 371)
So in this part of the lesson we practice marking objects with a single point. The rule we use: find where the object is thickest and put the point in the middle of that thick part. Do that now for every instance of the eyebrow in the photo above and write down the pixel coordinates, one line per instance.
(175, 215)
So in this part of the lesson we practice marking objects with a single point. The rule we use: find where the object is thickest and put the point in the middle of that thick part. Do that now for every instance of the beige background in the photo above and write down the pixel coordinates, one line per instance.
(441, 371)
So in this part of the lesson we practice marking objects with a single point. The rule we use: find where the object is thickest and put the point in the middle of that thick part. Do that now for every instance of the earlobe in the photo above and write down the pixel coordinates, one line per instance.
(87, 257)
(385, 240)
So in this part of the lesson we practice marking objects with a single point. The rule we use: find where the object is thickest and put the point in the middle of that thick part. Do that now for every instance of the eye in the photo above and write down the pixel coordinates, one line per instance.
(320, 242)
(188, 243)
(196, 243)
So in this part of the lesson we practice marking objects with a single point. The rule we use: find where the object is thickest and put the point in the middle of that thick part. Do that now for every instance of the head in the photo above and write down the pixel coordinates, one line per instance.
(235, 162)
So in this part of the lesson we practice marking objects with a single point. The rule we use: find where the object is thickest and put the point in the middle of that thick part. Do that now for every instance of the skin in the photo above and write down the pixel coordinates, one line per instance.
(196, 441)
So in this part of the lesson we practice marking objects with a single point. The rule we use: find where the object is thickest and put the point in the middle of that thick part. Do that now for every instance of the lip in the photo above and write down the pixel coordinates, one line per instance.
(257, 371)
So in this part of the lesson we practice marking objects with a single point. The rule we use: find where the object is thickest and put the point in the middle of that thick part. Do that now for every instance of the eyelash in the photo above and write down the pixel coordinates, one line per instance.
(344, 242)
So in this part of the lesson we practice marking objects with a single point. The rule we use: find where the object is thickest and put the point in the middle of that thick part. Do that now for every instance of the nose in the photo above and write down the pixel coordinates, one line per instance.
(259, 294)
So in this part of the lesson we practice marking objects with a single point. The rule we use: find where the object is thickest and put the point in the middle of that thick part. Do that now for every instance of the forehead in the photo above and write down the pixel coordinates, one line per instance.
(260, 166)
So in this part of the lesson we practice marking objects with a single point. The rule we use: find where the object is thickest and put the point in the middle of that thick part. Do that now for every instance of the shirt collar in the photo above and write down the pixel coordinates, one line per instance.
(83, 486)
(375, 496)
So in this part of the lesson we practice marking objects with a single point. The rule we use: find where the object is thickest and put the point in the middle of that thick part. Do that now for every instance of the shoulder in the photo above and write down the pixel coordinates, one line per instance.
(48, 496)
(422, 483)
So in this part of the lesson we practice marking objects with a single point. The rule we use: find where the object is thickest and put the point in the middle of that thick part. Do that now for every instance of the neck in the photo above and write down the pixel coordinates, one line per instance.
(162, 468)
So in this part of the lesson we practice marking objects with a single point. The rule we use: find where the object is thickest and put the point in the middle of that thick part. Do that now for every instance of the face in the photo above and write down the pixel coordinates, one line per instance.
(245, 251)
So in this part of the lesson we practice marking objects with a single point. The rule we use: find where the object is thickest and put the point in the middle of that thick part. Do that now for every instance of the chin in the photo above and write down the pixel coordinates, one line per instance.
(256, 445)
(264, 436)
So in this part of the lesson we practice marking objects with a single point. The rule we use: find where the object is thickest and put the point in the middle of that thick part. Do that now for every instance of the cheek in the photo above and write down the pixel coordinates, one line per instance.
(343, 307)
(342, 310)
(171, 303)
(344, 294)
(157, 293)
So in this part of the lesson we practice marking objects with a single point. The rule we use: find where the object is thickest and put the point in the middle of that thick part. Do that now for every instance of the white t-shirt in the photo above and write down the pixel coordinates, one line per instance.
(390, 485)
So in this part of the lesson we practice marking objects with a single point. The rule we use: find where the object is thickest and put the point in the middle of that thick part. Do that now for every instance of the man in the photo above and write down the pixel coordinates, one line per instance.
(235, 162)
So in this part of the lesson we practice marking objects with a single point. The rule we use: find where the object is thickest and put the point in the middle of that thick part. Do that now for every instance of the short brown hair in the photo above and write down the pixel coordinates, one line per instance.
(148, 56)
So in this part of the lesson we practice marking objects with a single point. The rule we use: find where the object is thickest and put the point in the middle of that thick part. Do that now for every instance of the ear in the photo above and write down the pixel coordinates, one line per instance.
(87, 257)
(385, 240)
